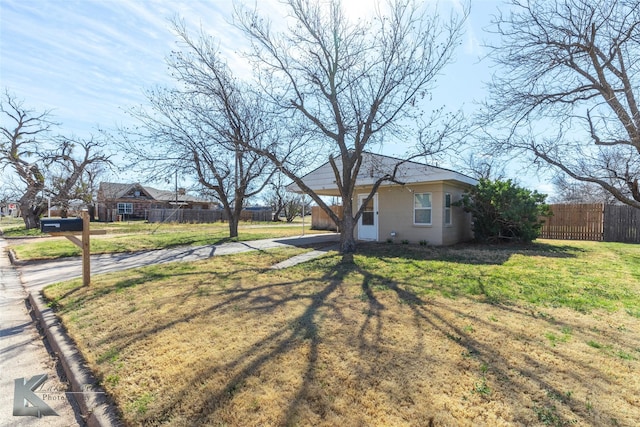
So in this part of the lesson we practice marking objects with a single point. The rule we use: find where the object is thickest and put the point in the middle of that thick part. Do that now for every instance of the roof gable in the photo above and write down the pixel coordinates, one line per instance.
(114, 191)
(375, 166)
(170, 196)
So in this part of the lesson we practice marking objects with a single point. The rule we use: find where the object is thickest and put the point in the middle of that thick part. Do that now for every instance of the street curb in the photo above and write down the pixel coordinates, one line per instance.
(13, 259)
(95, 408)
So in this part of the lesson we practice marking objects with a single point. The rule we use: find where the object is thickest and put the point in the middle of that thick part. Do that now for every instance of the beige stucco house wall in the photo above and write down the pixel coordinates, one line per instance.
(395, 214)
(391, 214)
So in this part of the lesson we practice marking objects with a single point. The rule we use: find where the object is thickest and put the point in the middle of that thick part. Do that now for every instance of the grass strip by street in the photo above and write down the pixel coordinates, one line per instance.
(122, 237)
(546, 334)
(10, 224)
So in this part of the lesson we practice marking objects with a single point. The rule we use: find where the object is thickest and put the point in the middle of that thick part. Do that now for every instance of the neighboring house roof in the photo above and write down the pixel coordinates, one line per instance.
(170, 196)
(114, 191)
(374, 166)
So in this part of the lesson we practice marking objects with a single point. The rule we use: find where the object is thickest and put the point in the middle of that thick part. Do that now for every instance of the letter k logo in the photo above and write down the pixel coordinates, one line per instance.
(23, 393)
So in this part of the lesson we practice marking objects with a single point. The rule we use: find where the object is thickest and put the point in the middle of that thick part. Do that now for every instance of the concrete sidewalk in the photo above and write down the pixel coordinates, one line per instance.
(23, 355)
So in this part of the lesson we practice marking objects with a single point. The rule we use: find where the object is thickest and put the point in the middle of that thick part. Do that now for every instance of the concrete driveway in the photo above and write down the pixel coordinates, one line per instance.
(36, 275)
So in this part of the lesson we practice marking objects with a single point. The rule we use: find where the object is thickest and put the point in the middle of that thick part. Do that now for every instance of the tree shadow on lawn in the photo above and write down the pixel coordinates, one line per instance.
(298, 331)
(512, 381)
(393, 344)
(141, 275)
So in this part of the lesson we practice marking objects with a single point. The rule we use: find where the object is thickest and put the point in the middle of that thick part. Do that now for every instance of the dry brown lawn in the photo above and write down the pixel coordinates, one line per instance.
(228, 341)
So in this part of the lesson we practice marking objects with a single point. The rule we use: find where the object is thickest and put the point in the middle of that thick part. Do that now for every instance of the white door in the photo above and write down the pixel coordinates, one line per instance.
(368, 222)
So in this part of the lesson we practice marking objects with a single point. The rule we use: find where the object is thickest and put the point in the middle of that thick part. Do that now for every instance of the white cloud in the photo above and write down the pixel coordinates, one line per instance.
(89, 59)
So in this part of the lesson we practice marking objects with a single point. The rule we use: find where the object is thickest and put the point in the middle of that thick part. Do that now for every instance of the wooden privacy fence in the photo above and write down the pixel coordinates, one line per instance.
(574, 222)
(621, 224)
(597, 221)
(321, 221)
(204, 215)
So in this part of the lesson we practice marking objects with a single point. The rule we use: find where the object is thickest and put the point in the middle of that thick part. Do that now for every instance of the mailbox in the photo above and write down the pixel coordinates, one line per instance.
(58, 225)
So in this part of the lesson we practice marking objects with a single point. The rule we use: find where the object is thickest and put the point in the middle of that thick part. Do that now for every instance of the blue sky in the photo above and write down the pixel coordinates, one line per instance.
(89, 60)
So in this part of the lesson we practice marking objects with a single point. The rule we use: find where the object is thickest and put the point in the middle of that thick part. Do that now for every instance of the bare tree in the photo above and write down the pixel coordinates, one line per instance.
(24, 136)
(204, 127)
(567, 89)
(38, 159)
(70, 174)
(89, 184)
(282, 201)
(346, 87)
(571, 191)
(482, 166)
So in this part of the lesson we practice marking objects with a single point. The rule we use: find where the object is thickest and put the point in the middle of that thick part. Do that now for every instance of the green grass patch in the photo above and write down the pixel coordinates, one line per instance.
(10, 226)
(564, 336)
(582, 276)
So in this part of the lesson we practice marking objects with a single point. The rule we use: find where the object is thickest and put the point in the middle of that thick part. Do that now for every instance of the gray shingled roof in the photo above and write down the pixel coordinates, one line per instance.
(322, 179)
(112, 190)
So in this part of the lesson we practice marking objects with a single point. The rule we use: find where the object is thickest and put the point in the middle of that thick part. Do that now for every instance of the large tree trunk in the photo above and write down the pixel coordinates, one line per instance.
(347, 227)
(31, 220)
(234, 219)
(347, 241)
(30, 214)
(233, 226)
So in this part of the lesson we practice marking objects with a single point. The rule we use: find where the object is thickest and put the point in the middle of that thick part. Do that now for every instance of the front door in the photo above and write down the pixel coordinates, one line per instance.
(368, 222)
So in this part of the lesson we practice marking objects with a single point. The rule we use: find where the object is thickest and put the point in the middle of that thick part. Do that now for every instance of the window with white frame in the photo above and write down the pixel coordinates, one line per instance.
(422, 208)
(125, 208)
(447, 209)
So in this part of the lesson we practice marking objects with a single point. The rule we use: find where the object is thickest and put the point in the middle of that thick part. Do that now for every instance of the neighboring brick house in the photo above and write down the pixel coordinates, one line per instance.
(133, 201)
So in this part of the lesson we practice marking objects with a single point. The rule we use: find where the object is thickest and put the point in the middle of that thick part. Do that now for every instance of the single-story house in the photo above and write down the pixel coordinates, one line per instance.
(418, 207)
(133, 201)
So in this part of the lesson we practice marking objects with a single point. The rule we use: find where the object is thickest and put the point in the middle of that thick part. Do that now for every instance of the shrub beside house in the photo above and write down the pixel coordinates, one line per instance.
(505, 212)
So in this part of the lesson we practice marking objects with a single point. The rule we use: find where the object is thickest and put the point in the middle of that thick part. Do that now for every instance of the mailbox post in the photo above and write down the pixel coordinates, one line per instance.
(69, 228)
(86, 250)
